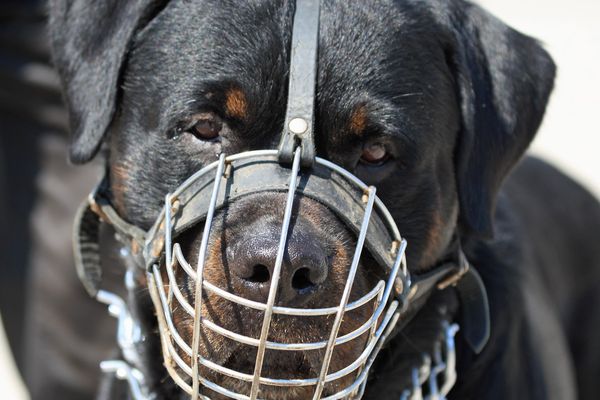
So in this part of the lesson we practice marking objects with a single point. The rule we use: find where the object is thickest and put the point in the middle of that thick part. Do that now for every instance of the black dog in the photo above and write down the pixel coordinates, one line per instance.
(434, 102)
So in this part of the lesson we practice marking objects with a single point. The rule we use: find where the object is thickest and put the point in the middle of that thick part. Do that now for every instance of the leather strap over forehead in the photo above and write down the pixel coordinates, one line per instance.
(300, 115)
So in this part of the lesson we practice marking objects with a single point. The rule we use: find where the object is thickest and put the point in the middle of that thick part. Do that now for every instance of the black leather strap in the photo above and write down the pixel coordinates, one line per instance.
(86, 236)
(299, 120)
(475, 323)
(459, 275)
(86, 248)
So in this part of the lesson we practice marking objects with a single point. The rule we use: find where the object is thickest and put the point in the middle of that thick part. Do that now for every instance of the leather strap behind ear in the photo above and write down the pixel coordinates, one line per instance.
(475, 324)
(86, 237)
(86, 248)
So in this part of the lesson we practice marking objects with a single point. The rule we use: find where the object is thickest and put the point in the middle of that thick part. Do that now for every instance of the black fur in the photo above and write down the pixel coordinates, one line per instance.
(455, 94)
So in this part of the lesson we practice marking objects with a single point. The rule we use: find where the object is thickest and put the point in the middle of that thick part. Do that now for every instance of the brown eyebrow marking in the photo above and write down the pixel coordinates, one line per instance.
(359, 120)
(235, 103)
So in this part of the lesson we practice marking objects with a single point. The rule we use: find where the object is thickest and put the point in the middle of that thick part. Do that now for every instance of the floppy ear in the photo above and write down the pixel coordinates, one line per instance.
(90, 40)
(504, 80)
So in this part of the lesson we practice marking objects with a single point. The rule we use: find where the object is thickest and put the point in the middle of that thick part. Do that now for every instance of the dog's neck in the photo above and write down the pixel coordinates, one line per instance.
(392, 373)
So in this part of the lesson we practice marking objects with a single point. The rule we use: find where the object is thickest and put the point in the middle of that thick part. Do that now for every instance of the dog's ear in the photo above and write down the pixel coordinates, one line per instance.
(90, 40)
(504, 79)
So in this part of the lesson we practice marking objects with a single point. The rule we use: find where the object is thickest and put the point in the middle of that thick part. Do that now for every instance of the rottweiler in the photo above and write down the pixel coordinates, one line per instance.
(433, 102)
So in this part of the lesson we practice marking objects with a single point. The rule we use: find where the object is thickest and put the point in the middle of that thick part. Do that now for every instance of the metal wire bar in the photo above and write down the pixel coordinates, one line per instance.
(199, 274)
(304, 312)
(275, 276)
(168, 229)
(165, 310)
(166, 344)
(168, 253)
(173, 285)
(296, 346)
(371, 351)
(346, 294)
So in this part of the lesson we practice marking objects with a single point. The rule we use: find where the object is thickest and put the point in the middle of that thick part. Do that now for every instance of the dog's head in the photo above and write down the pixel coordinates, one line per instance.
(432, 102)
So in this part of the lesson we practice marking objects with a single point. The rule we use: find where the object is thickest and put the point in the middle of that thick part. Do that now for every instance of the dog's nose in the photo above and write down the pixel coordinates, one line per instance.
(304, 266)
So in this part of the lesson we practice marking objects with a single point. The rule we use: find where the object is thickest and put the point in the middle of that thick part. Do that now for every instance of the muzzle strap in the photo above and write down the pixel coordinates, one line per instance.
(86, 248)
(475, 319)
(86, 236)
(299, 120)
(459, 274)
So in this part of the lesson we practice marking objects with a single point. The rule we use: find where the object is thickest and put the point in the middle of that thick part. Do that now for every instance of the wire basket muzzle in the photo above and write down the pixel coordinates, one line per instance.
(198, 199)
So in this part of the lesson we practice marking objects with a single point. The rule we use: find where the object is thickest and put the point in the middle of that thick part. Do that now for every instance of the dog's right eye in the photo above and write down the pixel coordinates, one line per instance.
(206, 126)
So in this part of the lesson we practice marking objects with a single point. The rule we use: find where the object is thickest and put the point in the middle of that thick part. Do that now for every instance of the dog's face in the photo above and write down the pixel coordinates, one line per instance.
(431, 103)
(387, 106)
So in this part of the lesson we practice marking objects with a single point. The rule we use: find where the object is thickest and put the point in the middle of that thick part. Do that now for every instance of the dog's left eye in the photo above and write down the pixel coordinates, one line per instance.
(206, 126)
(374, 154)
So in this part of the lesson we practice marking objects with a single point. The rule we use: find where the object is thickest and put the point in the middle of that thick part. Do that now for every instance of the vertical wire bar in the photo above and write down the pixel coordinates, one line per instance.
(375, 307)
(260, 353)
(399, 263)
(168, 248)
(346, 294)
(200, 277)
(372, 333)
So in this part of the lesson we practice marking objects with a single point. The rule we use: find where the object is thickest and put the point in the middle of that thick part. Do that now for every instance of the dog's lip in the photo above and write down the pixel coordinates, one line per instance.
(296, 366)
(274, 367)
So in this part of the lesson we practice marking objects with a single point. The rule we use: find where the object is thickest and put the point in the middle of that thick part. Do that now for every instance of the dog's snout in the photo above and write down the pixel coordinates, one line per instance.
(304, 266)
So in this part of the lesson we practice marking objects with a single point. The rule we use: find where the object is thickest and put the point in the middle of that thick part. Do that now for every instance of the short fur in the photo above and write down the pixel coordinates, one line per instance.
(454, 94)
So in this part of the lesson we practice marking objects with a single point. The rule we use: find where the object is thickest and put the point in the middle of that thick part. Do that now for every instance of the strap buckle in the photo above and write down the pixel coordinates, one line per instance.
(452, 280)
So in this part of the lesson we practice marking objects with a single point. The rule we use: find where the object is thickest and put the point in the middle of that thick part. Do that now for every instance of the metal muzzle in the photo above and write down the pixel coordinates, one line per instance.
(234, 177)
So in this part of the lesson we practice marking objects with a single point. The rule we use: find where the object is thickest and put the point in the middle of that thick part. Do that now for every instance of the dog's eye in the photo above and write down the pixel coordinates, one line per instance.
(374, 154)
(206, 126)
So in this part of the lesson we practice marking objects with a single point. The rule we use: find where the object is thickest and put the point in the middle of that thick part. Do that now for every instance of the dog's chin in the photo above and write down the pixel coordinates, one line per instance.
(292, 365)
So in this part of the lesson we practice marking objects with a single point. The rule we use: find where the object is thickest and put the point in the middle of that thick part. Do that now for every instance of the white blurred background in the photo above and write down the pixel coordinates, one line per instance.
(570, 134)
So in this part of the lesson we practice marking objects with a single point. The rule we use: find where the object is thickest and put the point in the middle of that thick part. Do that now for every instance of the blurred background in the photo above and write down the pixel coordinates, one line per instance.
(569, 136)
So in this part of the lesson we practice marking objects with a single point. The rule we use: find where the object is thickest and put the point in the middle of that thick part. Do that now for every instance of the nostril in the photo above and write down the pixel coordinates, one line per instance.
(301, 279)
(260, 274)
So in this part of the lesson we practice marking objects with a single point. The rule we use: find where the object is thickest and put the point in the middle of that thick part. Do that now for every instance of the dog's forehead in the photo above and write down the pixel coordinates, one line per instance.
(366, 52)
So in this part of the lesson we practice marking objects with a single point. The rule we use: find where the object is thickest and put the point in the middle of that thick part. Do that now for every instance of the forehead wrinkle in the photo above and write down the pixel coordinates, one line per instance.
(387, 116)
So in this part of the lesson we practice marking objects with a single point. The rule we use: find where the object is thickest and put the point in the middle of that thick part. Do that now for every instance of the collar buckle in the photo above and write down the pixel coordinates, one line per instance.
(452, 280)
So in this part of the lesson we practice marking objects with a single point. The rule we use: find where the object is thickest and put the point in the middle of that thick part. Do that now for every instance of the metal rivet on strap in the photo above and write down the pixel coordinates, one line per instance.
(298, 125)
